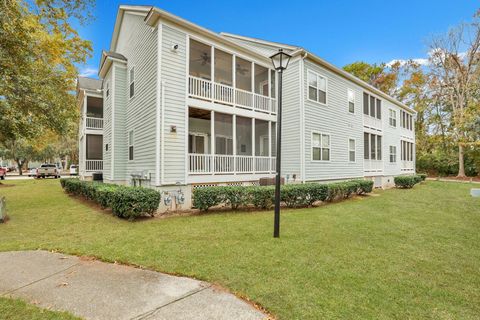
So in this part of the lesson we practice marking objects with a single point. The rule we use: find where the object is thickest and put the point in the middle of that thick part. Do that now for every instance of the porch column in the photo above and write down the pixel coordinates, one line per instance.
(234, 82)
(212, 141)
(253, 144)
(234, 143)
(269, 100)
(269, 142)
(212, 72)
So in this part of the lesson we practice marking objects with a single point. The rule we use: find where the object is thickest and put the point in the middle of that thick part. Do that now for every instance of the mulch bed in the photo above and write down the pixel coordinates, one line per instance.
(466, 179)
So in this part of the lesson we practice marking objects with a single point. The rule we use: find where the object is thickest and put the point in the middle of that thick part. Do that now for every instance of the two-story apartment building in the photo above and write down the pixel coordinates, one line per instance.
(184, 107)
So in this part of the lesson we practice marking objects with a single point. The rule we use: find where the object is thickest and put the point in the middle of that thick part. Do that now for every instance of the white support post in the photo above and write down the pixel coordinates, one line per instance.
(270, 144)
(212, 142)
(253, 144)
(269, 93)
(234, 143)
(234, 80)
(212, 66)
(253, 85)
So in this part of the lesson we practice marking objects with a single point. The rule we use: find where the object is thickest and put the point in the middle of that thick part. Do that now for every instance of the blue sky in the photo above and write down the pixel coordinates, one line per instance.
(339, 31)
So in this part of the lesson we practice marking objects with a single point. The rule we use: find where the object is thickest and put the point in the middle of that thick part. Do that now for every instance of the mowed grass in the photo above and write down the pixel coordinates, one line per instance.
(14, 309)
(397, 254)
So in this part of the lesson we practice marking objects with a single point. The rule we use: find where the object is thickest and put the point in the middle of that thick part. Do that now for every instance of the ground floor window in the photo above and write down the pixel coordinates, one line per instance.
(372, 144)
(320, 146)
(130, 145)
(351, 150)
(393, 154)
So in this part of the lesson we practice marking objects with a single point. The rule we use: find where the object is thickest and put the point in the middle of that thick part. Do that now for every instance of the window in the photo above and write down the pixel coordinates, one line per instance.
(372, 146)
(372, 106)
(392, 120)
(132, 82)
(406, 150)
(107, 89)
(130, 145)
(94, 147)
(320, 147)
(406, 120)
(393, 154)
(351, 101)
(351, 150)
(317, 87)
(106, 147)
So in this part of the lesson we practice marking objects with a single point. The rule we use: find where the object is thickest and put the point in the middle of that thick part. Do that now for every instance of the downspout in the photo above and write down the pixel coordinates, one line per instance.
(159, 107)
(302, 116)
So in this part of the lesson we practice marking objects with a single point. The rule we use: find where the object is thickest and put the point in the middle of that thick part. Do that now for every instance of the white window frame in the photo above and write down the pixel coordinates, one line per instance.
(326, 88)
(348, 101)
(394, 154)
(130, 82)
(131, 144)
(320, 146)
(354, 150)
(390, 111)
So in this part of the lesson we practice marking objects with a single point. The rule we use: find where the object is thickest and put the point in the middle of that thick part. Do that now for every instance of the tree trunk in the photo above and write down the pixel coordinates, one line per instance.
(461, 162)
(19, 165)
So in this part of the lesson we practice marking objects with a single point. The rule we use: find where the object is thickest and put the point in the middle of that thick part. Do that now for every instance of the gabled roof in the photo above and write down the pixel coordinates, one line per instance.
(91, 84)
(109, 56)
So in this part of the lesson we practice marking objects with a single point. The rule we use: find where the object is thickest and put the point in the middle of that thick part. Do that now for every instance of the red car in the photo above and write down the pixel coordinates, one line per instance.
(3, 173)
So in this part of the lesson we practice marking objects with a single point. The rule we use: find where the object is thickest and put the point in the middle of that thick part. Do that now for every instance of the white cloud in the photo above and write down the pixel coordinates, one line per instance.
(431, 55)
(88, 72)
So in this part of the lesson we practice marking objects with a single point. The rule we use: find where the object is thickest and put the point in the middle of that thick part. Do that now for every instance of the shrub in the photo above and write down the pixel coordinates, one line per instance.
(125, 202)
(235, 196)
(205, 198)
(364, 186)
(406, 182)
(134, 202)
(262, 197)
(423, 176)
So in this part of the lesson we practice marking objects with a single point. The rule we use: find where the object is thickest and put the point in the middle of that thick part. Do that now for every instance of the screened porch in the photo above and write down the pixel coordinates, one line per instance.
(221, 143)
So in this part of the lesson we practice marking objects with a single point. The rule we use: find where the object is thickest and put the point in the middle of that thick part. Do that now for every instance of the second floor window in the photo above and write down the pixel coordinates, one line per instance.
(372, 106)
(132, 82)
(392, 120)
(130, 145)
(351, 101)
(317, 87)
(320, 146)
(406, 120)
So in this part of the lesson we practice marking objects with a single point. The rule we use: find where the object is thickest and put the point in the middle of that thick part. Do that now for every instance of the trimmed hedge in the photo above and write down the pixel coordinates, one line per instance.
(293, 195)
(407, 182)
(125, 202)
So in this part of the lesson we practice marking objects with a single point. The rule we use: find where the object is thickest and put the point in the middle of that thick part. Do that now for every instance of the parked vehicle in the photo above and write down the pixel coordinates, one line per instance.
(32, 172)
(73, 170)
(3, 173)
(48, 170)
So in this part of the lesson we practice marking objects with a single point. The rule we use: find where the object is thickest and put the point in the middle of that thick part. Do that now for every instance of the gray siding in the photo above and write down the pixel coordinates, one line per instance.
(335, 120)
(291, 117)
(174, 77)
(107, 128)
(138, 43)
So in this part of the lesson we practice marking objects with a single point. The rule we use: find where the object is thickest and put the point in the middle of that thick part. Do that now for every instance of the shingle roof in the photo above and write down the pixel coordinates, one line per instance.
(89, 83)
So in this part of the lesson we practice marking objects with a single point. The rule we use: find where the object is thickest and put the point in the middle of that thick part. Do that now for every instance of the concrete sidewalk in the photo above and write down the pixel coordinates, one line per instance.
(97, 290)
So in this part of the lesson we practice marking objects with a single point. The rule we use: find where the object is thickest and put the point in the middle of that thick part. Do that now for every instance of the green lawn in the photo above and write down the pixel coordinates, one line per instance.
(13, 309)
(401, 254)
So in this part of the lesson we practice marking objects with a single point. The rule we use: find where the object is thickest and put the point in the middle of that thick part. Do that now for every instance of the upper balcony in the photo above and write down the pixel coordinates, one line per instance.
(94, 114)
(221, 77)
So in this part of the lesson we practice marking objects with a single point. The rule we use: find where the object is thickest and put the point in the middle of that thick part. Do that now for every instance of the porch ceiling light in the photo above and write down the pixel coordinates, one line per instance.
(280, 60)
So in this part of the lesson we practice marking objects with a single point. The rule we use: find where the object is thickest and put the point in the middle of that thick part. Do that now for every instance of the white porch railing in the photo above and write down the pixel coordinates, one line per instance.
(229, 164)
(93, 165)
(372, 122)
(209, 90)
(373, 165)
(93, 123)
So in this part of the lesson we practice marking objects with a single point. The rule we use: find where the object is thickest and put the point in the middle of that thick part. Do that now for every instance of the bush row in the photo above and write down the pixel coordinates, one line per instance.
(125, 202)
(408, 182)
(292, 195)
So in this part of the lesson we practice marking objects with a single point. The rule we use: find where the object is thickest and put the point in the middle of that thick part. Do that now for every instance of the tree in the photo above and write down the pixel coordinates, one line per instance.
(455, 75)
(38, 58)
(381, 76)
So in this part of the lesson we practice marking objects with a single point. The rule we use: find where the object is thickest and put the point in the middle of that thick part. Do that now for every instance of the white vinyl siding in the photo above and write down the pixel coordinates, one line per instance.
(317, 87)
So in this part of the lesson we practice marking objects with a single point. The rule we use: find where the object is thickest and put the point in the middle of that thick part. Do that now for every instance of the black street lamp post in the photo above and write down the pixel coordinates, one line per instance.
(280, 62)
